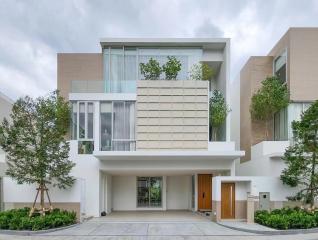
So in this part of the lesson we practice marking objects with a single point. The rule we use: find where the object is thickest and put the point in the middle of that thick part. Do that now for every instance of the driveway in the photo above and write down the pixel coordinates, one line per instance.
(152, 226)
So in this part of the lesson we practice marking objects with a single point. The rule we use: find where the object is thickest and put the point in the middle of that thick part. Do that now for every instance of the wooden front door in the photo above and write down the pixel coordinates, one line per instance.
(227, 200)
(205, 192)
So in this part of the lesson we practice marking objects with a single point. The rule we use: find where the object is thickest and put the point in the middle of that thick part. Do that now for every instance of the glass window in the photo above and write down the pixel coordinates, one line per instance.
(280, 67)
(105, 126)
(149, 191)
(280, 125)
(90, 120)
(124, 126)
(82, 120)
(85, 147)
(74, 121)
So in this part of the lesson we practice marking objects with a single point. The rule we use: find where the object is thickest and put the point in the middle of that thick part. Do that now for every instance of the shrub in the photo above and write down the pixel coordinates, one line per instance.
(18, 219)
(171, 68)
(151, 70)
(287, 218)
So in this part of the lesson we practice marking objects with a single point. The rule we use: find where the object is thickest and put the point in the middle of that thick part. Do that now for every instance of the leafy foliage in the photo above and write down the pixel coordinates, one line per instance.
(18, 219)
(171, 68)
(218, 112)
(201, 71)
(287, 218)
(34, 142)
(151, 70)
(269, 99)
(301, 157)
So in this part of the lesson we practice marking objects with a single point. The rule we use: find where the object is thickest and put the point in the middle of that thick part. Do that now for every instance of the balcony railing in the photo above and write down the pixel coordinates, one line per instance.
(87, 86)
(119, 145)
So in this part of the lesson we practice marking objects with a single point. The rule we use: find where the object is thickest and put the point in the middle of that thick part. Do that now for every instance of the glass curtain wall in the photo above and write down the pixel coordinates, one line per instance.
(149, 191)
(280, 69)
(121, 65)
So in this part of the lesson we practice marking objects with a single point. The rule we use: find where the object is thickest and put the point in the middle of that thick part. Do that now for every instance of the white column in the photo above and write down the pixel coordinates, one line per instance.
(164, 193)
(196, 192)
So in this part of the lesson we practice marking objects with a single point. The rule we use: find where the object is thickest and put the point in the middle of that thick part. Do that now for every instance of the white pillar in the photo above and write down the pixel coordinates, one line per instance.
(196, 192)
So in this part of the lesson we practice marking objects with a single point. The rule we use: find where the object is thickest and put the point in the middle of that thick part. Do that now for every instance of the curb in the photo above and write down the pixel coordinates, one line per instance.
(30, 233)
(274, 232)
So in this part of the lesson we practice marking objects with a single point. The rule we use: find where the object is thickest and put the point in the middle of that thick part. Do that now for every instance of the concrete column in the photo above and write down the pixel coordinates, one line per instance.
(250, 208)
(196, 192)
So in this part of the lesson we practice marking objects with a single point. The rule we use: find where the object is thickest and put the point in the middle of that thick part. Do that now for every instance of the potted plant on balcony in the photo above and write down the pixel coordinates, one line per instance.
(202, 71)
(269, 99)
(218, 112)
(151, 70)
(171, 68)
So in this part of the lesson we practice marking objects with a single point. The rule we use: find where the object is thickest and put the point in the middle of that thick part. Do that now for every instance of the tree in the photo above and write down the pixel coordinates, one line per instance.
(172, 68)
(35, 144)
(151, 70)
(301, 157)
(269, 99)
(201, 71)
(218, 112)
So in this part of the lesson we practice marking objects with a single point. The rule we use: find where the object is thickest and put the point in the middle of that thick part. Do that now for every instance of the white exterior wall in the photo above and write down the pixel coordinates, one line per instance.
(265, 160)
(253, 185)
(178, 192)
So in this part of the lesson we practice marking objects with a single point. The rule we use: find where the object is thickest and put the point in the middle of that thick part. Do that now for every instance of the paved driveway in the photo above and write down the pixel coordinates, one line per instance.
(152, 226)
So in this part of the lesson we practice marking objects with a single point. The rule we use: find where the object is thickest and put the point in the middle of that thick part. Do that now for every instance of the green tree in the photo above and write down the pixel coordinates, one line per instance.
(201, 71)
(218, 112)
(171, 68)
(269, 99)
(151, 70)
(301, 157)
(34, 140)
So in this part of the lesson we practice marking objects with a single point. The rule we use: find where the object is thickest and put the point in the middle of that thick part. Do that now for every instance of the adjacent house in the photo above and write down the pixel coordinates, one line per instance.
(144, 144)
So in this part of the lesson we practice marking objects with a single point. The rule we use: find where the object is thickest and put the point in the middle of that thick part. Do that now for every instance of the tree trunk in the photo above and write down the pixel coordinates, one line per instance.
(42, 207)
(215, 134)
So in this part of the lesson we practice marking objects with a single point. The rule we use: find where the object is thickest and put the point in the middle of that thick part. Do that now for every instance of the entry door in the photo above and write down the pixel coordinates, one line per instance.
(228, 200)
(205, 192)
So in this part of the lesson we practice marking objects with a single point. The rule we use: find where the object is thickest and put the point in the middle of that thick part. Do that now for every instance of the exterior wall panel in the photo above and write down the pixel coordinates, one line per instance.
(172, 115)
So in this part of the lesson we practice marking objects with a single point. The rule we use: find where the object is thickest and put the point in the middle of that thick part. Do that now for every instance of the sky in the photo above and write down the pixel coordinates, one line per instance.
(32, 32)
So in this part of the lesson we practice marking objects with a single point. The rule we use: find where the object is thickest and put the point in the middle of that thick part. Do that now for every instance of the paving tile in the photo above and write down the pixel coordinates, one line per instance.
(121, 229)
(173, 229)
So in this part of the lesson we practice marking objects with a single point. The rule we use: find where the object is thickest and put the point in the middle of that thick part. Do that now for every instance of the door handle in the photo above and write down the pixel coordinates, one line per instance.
(203, 194)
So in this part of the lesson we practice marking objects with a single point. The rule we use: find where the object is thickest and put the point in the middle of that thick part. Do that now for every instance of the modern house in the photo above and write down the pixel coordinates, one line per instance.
(144, 144)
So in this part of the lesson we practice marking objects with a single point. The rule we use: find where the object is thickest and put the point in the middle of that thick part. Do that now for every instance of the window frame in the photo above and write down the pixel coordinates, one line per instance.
(86, 118)
(284, 51)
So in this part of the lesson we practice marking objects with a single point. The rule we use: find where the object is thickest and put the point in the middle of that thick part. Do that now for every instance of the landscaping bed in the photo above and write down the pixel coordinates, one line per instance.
(18, 219)
(288, 218)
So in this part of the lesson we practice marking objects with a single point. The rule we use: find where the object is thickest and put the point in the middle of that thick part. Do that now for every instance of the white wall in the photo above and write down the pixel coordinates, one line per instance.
(124, 193)
(26, 193)
(254, 185)
(265, 160)
(178, 192)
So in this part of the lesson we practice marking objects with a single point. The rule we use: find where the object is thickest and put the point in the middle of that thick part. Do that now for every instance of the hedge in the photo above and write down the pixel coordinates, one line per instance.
(288, 218)
(18, 219)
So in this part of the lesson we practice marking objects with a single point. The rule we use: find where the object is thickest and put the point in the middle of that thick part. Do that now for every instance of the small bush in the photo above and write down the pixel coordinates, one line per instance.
(287, 218)
(18, 219)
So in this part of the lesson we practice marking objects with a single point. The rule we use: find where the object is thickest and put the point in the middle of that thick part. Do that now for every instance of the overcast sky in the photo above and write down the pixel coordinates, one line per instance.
(32, 32)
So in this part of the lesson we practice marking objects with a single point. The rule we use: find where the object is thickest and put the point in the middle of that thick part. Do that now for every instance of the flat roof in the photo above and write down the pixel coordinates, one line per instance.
(206, 43)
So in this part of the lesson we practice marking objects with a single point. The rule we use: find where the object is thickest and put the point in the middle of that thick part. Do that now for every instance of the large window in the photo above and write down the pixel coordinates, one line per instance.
(280, 69)
(117, 126)
(121, 64)
(82, 127)
(284, 118)
(149, 191)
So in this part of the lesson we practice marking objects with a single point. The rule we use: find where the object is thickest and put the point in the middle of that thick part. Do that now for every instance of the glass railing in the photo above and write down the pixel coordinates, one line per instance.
(87, 86)
(118, 145)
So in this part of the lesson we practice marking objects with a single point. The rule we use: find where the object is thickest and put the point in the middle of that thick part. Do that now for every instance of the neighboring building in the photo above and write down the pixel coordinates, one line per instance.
(294, 60)
(5, 110)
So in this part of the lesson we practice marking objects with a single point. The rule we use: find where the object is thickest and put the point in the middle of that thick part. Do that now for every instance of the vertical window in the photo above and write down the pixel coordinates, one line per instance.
(106, 126)
(149, 191)
(90, 120)
(74, 121)
(280, 69)
(81, 120)
(280, 125)
(124, 126)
